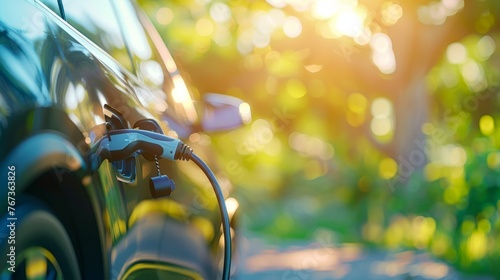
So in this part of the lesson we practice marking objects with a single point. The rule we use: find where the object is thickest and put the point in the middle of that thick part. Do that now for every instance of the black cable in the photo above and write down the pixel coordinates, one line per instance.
(124, 146)
(223, 212)
(61, 9)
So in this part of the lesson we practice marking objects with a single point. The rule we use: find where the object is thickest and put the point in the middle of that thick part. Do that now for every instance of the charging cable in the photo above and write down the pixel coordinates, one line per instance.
(124, 143)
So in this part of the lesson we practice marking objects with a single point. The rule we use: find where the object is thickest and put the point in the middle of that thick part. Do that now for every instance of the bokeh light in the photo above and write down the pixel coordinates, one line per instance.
(485, 48)
(456, 53)
(204, 27)
(382, 123)
(164, 15)
(391, 13)
(325, 9)
(220, 12)
(486, 125)
(292, 27)
(382, 53)
(388, 168)
(383, 112)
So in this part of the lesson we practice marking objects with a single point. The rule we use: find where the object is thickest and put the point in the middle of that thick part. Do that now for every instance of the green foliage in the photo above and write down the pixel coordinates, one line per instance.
(397, 157)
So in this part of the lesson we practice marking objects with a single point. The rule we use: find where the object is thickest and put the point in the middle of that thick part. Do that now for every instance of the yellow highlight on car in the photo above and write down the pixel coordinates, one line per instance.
(164, 206)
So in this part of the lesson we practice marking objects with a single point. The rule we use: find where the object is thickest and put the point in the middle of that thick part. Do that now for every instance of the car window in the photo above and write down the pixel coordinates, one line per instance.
(22, 73)
(96, 19)
(153, 63)
(53, 5)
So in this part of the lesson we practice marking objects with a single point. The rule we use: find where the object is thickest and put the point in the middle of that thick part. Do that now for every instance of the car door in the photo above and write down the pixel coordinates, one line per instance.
(110, 81)
(47, 116)
(97, 80)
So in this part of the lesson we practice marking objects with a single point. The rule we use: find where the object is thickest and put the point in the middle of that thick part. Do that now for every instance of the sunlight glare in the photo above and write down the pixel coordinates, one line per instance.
(350, 4)
(325, 9)
(349, 23)
(232, 205)
(180, 94)
(245, 112)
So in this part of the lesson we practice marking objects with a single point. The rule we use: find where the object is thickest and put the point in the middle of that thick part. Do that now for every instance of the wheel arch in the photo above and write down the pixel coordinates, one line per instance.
(63, 191)
(50, 159)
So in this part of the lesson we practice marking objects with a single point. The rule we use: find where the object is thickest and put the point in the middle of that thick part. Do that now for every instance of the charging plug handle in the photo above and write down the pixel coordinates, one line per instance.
(124, 143)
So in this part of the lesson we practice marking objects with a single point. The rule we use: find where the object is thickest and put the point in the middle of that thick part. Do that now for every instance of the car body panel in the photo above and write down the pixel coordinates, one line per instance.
(51, 111)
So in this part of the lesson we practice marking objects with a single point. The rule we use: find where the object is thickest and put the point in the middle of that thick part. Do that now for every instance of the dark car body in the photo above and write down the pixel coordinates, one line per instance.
(59, 67)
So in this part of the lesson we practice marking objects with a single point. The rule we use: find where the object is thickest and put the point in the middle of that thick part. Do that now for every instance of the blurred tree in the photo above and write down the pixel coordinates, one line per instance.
(350, 97)
(377, 48)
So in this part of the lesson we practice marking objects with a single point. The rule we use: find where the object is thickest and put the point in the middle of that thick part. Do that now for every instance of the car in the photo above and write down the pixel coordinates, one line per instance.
(73, 75)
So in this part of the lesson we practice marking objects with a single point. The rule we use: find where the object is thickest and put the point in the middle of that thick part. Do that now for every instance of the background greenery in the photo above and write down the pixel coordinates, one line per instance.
(375, 120)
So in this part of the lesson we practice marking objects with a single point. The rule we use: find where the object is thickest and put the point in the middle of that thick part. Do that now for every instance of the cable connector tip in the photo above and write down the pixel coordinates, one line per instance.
(183, 152)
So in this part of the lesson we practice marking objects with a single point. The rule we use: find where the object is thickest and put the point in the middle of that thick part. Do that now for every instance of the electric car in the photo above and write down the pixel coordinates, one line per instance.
(77, 74)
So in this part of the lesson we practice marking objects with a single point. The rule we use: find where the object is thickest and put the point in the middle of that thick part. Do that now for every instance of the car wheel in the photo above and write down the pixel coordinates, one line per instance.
(43, 249)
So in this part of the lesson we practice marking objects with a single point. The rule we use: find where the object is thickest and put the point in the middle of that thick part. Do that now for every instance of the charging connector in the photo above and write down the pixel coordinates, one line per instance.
(125, 143)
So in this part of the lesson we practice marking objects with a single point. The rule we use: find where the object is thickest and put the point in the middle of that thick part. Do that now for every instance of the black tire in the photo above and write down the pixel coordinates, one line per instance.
(40, 237)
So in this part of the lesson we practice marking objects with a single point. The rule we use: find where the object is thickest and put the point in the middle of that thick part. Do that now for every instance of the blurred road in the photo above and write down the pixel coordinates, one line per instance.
(321, 259)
